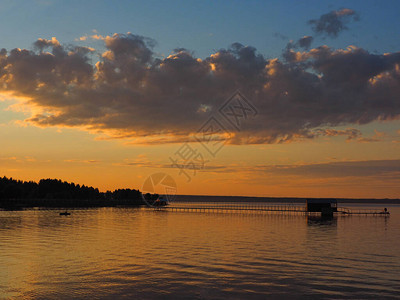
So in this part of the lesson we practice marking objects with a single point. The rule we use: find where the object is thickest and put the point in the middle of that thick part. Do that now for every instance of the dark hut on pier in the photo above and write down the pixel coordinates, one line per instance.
(321, 205)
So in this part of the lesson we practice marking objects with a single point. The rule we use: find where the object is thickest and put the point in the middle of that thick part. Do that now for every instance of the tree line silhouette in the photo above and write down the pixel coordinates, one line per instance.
(57, 193)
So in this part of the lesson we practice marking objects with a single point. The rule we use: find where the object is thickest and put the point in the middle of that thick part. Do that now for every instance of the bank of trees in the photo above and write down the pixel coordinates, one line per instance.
(54, 192)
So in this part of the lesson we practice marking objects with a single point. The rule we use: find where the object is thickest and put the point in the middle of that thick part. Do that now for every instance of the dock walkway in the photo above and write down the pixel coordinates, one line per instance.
(261, 208)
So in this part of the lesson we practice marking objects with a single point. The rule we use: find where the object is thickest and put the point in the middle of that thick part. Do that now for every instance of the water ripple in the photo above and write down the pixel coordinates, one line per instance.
(116, 252)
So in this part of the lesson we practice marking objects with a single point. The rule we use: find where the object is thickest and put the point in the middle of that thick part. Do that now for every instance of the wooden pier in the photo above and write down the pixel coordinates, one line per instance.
(235, 208)
(365, 212)
(261, 209)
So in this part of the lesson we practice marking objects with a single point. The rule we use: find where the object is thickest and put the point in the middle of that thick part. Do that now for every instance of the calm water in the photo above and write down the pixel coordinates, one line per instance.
(127, 252)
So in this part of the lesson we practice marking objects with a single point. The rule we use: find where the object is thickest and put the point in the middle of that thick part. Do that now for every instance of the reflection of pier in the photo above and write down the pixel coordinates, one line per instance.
(262, 208)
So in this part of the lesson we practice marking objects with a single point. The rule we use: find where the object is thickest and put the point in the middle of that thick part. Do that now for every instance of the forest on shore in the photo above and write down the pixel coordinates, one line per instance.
(57, 193)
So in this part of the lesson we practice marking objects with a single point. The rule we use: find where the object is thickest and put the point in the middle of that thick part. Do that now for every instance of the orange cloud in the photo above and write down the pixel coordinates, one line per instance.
(88, 161)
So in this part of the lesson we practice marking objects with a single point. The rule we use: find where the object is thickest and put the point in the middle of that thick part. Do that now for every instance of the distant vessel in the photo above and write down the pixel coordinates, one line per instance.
(64, 213)
(161, 202)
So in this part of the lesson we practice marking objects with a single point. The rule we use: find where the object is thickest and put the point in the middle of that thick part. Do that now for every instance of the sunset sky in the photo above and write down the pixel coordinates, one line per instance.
(252, 98)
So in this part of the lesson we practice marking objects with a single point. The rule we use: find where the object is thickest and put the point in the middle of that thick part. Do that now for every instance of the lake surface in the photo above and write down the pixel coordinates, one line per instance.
(141, 253)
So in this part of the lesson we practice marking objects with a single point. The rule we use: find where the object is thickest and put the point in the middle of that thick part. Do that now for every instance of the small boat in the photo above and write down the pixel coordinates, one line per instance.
(64, 213)
(161, 202)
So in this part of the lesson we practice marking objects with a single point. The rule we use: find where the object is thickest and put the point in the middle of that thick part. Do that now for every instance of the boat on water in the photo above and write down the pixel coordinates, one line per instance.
(65, 213)
(161, 202)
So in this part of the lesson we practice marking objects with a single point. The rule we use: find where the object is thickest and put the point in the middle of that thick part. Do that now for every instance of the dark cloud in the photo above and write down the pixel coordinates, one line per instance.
(369, 140)
(383, 169)
(305, 42)
(280, 36)
(370, 168)
(350, 133)
(41, 44)
(375, 171)
(334, 22)
(131, 93)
